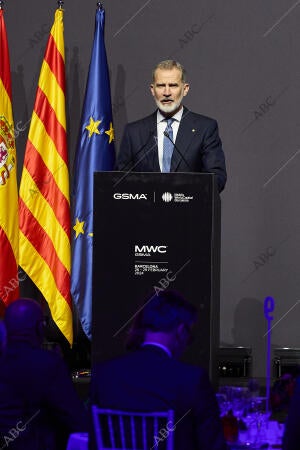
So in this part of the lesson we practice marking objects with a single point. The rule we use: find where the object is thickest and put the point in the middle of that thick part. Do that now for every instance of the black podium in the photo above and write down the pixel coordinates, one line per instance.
(155, 231)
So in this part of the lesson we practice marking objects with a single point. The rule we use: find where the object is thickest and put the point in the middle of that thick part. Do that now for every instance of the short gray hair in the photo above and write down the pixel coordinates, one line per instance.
(169, 64)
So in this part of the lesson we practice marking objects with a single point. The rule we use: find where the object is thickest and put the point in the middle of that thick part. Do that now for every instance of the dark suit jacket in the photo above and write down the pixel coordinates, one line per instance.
(38, 403)
(149, 380)
(198, 147)
(291, 440)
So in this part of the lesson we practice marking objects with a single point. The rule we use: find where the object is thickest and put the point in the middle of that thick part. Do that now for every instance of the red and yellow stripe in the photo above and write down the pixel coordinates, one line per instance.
(9, 283)
(44, 202)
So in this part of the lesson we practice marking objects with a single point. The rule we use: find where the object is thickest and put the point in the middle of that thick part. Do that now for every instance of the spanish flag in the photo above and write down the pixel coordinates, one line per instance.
(44, 202)
(9, 283)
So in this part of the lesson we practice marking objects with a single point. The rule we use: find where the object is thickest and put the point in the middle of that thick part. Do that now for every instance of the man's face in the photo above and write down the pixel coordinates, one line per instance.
(168, 90)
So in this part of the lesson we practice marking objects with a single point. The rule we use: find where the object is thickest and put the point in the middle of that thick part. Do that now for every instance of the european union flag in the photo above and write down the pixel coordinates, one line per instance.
(95, 152)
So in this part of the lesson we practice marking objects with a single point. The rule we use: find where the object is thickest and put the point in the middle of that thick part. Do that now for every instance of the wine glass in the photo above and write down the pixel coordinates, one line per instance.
(262, 411)
(224, 404)
(239, 401)
(256, 420)
(224, 399)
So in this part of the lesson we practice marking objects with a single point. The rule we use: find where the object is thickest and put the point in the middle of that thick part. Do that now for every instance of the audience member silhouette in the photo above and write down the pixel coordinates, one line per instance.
(2, 337)
(151, 378)
(291, 439)
(39, 406)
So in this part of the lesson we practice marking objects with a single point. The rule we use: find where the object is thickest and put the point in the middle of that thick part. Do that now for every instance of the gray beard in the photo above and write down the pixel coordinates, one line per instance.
(168, 108)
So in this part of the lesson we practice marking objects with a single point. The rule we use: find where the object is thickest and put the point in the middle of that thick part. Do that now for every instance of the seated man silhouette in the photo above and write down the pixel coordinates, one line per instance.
(291, 439)
(39, 406)
(151, 378)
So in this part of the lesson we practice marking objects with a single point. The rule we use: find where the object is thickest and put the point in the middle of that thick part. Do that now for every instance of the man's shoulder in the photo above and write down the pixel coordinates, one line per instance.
(144, 121)
(142, 357)
(196, 117)
(147, 356)
(22, 353)
(114, 361)
(192, 369)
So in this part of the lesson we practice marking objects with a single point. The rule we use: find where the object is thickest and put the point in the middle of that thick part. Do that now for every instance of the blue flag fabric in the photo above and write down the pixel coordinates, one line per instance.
(95, 152)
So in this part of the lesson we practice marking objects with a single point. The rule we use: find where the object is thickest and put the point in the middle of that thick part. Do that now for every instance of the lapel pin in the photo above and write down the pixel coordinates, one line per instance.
(193, 130)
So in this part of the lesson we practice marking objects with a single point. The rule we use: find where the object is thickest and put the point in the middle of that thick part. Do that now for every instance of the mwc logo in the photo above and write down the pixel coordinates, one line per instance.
(150, 249)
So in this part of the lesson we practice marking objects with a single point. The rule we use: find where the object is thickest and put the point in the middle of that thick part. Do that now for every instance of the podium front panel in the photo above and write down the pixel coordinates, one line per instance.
(155, 231)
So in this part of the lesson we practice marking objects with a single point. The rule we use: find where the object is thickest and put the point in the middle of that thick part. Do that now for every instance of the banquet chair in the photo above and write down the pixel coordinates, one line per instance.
(124, 430)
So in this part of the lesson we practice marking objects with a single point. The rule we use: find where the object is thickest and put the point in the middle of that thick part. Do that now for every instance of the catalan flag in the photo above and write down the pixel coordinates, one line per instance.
(95, 152)
(44, 191)
(9, 283)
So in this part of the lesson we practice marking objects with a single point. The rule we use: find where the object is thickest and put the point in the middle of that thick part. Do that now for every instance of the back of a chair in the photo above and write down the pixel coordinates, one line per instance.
(123, 430)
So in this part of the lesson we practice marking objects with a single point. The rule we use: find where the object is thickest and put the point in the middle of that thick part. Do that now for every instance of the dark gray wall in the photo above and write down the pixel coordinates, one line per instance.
(243, 64)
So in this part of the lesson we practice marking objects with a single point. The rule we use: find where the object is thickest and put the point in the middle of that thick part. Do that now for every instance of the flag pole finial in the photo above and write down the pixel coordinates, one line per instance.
(60, 4)
(99, 5)
(1, 4)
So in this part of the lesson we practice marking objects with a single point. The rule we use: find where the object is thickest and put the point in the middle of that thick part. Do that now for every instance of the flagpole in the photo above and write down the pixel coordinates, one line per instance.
(60, 4)
(99, 5)
(1, 4)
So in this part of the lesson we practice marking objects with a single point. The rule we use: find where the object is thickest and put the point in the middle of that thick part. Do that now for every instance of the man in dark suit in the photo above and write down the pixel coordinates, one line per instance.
(172, 139)
(39, 406)
(151, 378)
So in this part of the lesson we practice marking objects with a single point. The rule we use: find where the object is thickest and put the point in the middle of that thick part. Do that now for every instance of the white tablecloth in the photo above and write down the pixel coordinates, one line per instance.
(271, 434)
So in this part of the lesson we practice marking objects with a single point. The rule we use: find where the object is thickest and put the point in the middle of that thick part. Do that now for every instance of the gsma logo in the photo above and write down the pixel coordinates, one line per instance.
(128, 196)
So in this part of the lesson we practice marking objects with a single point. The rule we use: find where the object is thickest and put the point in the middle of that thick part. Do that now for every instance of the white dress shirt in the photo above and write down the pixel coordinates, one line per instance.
(161, 126)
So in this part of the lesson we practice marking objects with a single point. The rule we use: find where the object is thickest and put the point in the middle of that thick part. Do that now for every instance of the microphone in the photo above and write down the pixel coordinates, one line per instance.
(175, 146)
(129, 166)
